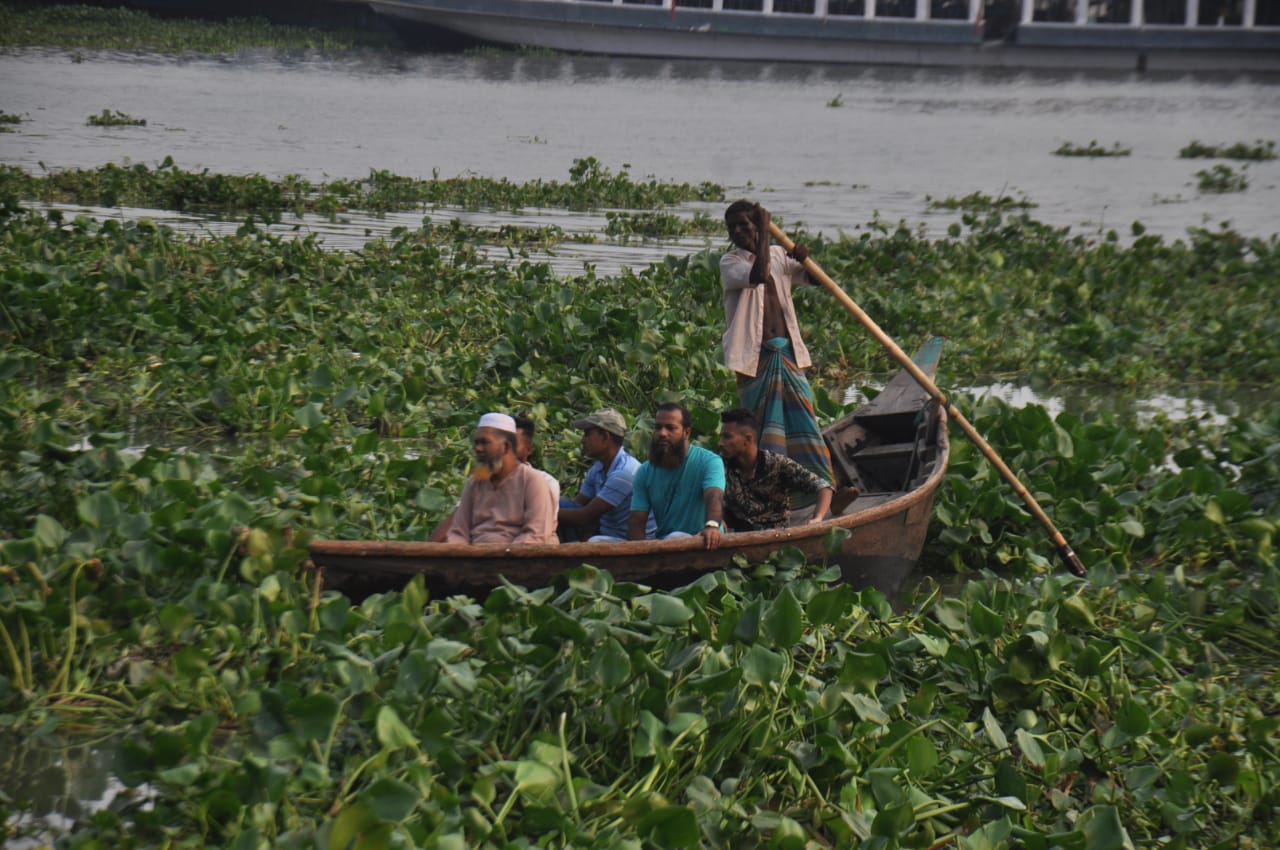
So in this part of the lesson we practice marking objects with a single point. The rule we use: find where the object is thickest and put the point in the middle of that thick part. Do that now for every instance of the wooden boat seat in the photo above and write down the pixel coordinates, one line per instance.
(886, 450)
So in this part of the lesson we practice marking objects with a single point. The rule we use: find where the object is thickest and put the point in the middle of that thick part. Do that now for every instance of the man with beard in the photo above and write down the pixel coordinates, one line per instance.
(682, 485)
(758, 485)
(524, 453)
(762, 341)
(504, 501)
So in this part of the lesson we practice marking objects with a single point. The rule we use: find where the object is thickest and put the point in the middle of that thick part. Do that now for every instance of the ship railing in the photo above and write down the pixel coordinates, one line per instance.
(1242, 14)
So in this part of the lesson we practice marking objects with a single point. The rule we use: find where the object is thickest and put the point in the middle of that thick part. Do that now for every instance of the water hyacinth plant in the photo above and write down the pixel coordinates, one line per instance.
(979, 202)
(1260, 151)
(1221, 178)
(591, 185)
(180, 414)
(109, 118)
(71, 25)
(1093, 149)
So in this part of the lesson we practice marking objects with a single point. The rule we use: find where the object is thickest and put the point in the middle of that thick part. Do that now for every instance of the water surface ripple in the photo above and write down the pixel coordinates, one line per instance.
(898, 136)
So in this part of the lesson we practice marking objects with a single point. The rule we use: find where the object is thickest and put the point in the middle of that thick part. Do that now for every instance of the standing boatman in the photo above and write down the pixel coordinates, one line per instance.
(762, 341)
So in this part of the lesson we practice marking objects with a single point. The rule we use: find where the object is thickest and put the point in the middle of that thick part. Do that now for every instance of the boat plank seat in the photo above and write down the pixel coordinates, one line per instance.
(886, 466)
(892, 418)
(887, 450)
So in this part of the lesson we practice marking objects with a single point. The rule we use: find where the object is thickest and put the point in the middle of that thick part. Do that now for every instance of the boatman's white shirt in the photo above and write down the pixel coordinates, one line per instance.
(744, 307)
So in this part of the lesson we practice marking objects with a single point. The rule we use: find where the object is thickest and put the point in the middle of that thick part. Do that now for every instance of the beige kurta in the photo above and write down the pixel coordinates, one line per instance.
(744, 307)
(518, 509)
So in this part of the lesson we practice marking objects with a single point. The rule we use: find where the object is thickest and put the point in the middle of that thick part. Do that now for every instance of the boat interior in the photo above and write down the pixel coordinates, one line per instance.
(887, 447)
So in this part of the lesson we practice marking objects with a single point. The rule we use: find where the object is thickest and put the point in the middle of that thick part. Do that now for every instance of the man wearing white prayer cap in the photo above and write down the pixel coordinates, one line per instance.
(504, 501)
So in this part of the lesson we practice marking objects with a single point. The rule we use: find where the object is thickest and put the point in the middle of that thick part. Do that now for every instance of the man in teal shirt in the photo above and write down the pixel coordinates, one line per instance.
(682, 485)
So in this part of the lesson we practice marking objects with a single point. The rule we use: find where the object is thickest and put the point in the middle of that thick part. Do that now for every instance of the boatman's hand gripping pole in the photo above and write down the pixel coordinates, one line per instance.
(1064, 548)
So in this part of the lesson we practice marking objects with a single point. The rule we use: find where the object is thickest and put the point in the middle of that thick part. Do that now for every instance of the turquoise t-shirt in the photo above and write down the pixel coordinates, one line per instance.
(675, 495)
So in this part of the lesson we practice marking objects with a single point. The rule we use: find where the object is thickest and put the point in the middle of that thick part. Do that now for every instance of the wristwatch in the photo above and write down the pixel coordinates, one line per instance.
(712, 523)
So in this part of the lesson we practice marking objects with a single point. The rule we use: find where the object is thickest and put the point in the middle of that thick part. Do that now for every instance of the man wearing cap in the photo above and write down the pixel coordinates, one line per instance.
(601, 510)
(504, 501)
(682, 485)
(524, 453)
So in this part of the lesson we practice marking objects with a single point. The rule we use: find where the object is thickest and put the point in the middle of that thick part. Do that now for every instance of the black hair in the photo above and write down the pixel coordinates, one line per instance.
(741, 417)
(739, 207)
(686, 418)
(525, 425)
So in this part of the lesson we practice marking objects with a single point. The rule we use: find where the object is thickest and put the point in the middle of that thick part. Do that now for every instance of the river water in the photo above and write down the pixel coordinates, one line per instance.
(826, 147)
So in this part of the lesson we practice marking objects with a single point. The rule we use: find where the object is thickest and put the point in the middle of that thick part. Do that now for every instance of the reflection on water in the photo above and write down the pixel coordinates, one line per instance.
(1211, 405)
(53, 783)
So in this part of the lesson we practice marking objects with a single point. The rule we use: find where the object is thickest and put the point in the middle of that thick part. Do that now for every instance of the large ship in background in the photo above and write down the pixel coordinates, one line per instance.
(1173, 35)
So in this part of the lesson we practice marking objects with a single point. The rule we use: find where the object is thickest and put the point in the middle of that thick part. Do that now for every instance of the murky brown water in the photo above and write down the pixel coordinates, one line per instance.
(899, 137)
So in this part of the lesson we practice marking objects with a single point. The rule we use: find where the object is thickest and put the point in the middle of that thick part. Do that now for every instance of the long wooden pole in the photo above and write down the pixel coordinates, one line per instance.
(815, 271)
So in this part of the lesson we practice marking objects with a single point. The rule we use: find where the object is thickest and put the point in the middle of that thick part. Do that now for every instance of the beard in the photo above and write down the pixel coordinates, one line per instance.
(667, 454)
(486, 468)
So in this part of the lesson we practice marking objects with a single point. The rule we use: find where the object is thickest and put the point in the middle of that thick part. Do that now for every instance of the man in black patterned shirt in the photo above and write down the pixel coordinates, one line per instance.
(759, 484)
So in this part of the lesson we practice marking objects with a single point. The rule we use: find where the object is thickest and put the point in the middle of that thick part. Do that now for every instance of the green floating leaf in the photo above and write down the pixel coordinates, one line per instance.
(868, 708)
(864, 671)
(985, 621)
(831, 607)
(390, 800)
(1077, 610)
(951, 613)
(1201, 733)
(761, 666)
(610, 666)
(358, 828)
(1030, 747)
(1103, 829)
(49, 533)
(190, 662)
(1133, 718)
(670, 826)
(181, 775)
(994, 732)
(99, 510)
(536, 780)
(990, 836)
(667, 610)
(922, 755)
(313, 717)
(783, 621)
(788, 835)
(1222, 768)
(392, 733)
(310, 415)
(890, 822)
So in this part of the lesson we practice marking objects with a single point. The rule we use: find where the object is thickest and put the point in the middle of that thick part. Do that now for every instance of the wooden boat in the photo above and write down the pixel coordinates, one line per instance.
(1180, 35)
(894, 450)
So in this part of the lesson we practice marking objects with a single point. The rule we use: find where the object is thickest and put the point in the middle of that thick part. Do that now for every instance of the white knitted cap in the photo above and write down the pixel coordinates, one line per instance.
(500, 421)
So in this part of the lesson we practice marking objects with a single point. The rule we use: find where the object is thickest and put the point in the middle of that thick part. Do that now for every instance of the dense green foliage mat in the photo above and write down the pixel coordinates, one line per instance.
(179, 414)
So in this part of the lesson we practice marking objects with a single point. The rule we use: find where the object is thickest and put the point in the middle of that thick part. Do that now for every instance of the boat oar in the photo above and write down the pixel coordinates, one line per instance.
(1064, 548)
